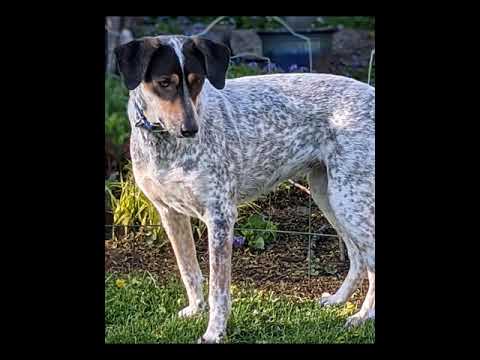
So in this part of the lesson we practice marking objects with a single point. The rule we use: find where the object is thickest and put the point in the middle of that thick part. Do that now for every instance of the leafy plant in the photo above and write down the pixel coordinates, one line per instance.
(257, 22)
(241, 22)
(243, 69)
(285, 186)
(117, 128)
(236, 71)
(130, 207)
(258, 239)
(169, 26)
(116, 96)
(352, 22)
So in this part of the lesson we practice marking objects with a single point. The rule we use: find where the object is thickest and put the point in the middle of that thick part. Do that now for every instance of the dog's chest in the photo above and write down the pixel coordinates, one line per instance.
(172, 187)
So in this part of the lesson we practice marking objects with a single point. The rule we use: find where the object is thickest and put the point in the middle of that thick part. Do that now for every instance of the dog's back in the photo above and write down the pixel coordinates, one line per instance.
(290, 122)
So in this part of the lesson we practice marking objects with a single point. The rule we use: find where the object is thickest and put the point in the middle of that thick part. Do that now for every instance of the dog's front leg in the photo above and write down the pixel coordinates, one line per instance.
(220, 237)
(179, 231)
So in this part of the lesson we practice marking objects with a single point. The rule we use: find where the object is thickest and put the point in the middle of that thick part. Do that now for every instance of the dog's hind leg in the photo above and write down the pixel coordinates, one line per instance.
(351, 194)
(179, 231)
(367, 311)
(318, 180)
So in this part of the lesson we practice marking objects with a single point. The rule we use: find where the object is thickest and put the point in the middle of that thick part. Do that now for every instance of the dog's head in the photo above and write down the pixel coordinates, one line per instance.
(171, 71)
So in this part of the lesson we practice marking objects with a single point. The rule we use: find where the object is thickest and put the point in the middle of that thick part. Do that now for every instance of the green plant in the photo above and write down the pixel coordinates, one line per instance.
(117, 127)
(258, 239)
(236, 71)
(257, 22)
(352, 22)
(116, 96)
(130, 207)
(285, 186)
(245, 209)
(241, 22)
(169, 26)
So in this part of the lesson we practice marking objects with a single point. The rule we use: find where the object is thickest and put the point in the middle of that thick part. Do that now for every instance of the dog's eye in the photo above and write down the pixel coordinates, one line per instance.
(164, 83)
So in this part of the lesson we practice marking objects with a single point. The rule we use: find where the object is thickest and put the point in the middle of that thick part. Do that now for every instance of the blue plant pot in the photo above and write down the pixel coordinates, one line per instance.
(285, 49)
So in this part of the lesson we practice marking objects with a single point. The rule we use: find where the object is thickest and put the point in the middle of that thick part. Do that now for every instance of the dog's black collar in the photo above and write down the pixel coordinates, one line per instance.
(143, 122)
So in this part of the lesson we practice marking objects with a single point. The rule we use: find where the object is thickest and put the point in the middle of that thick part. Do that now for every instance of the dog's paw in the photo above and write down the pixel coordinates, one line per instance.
(359, 318)
(330, 300)
(190, 311)
(209, 338)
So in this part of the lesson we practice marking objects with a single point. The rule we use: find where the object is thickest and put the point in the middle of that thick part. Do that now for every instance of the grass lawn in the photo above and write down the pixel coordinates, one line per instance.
(140, 310)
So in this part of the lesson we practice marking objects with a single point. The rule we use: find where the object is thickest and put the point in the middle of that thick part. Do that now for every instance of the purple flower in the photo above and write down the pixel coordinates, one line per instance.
(238, 241)
(293, 68)
(273, 68)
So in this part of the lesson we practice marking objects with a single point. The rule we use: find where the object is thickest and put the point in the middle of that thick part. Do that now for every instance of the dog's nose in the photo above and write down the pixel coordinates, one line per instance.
(190, 132)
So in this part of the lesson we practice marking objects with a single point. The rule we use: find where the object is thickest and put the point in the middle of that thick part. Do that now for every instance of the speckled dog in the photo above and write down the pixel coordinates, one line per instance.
(218, 143)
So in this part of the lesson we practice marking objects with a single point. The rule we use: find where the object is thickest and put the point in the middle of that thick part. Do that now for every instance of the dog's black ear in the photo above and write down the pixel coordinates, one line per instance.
(133, 59)
(217, 59)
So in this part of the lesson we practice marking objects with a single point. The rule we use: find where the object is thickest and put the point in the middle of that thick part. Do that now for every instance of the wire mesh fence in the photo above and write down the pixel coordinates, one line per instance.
(307, 225)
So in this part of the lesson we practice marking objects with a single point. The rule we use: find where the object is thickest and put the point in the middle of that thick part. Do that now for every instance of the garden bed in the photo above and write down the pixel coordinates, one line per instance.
(282, 267)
